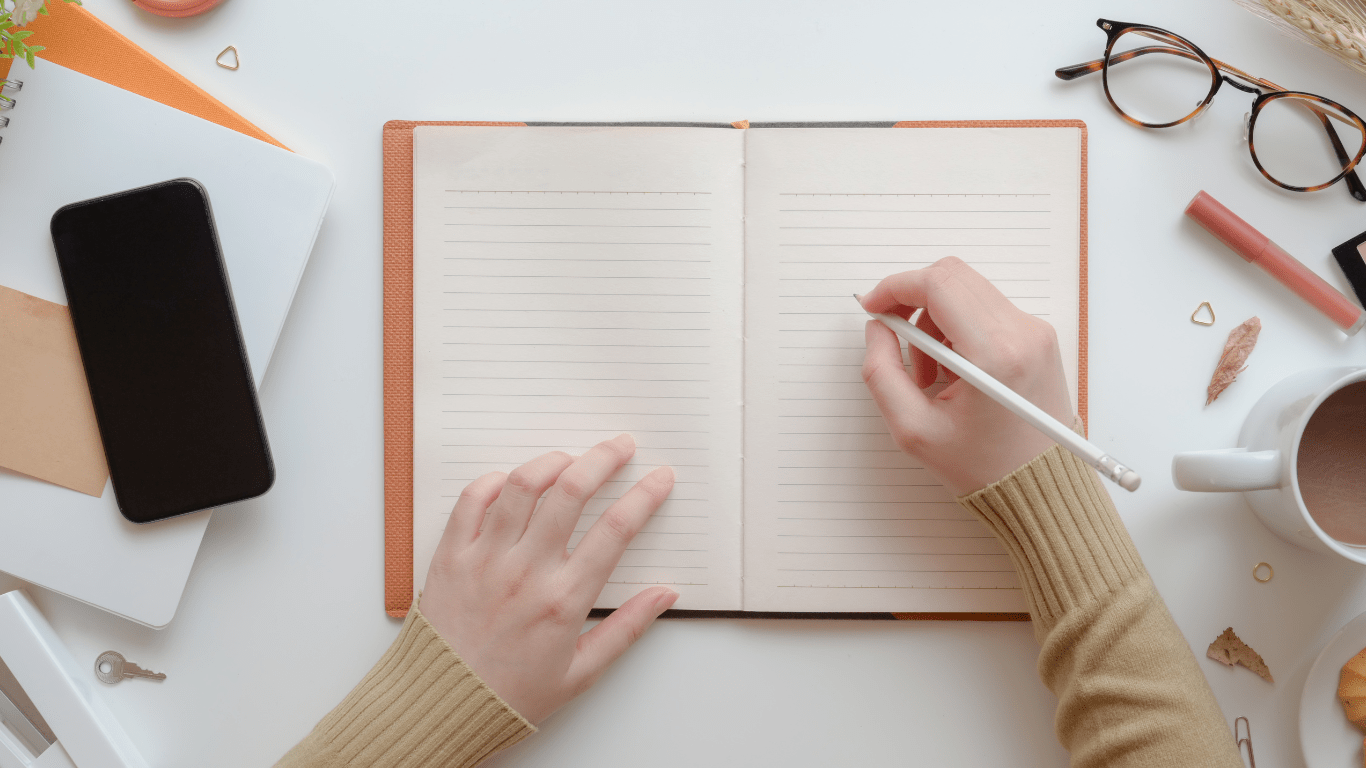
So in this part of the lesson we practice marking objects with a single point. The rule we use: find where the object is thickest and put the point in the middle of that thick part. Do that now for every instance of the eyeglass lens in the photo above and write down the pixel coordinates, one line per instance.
(1155, 79)
(1290, 139)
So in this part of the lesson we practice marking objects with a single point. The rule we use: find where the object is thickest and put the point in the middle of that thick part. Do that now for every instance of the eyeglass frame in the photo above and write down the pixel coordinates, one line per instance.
(1219, 74)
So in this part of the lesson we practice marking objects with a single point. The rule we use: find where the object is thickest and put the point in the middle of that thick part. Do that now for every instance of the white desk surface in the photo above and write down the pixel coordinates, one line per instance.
(283, 615)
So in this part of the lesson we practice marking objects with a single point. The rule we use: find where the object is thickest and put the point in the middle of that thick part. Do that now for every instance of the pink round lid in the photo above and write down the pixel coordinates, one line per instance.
(176, 8)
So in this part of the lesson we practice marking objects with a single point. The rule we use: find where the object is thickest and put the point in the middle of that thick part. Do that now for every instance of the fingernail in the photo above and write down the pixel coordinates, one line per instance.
(626, 438)
(663, 474)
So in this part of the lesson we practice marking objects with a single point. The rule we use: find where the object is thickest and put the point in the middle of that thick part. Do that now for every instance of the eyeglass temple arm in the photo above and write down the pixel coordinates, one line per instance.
(1090, 67)
(1079, 70)
(1354, 185)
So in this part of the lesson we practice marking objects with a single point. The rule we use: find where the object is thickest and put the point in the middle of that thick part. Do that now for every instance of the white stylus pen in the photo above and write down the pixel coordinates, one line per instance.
(1084, 449)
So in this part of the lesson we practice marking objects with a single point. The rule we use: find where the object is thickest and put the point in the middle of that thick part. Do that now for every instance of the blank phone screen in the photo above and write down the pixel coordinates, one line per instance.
(163, 354)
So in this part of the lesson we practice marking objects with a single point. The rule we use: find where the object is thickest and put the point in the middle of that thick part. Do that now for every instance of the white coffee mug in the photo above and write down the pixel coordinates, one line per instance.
(1265, 465)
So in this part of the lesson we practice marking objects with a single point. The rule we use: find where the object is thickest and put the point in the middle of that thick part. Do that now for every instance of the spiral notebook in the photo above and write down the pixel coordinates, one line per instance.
(72, 137)
(692, 285)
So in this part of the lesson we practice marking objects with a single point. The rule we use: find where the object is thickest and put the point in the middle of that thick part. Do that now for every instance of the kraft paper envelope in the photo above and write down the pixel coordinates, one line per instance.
(47, 423)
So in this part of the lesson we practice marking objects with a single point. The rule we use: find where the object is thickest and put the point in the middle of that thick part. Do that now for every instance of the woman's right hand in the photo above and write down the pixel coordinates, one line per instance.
(966, 439)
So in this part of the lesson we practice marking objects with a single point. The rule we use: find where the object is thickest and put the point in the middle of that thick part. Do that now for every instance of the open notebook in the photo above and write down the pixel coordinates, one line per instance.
(692, 286)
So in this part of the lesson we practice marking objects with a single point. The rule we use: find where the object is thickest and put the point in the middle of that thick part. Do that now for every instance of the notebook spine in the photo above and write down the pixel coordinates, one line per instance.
(8, 102)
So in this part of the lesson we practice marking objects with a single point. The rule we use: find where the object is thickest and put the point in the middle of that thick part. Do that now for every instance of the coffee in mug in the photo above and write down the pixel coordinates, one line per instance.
(1331, 465)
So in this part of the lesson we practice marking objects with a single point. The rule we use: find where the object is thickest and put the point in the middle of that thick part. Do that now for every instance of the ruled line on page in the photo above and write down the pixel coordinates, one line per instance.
(543, 344)
(590, 226)
(652, 583)
(563, 192)
(577, 397)
(566, 242)
(572, 327)
(576, 362)
(907, 265)
(883, 587)
(598, 311)
(914, 245)
(585, 293)
(898, 519)
(870, 229)
(901, 210)
(555, 447)
(567, 258)
(563, 208)
(585, 274)
(894, 570)
(915, 194)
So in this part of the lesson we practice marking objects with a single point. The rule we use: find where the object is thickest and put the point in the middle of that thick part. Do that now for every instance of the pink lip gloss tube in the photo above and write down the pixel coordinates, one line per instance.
(1256, 248)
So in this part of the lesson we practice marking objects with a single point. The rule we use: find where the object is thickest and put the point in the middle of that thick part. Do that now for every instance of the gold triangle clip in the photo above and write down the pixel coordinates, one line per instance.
(1195, 315)
(236, 58)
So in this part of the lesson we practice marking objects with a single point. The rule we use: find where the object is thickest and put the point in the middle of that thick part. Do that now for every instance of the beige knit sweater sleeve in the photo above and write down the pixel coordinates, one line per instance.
(419, 706)
(1129, 691)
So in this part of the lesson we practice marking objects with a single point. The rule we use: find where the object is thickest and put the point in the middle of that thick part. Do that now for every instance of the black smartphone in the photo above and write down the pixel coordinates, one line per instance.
(158, 335)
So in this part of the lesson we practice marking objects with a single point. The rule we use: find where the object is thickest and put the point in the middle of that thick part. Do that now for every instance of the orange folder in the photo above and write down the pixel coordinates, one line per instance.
(77, 40)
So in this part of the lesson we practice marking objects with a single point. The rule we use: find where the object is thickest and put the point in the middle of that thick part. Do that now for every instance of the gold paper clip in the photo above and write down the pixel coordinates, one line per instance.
(1244, 740)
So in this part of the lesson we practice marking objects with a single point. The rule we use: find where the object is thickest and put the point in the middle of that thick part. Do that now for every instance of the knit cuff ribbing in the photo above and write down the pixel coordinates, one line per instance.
(1062, 532)
(419, 706)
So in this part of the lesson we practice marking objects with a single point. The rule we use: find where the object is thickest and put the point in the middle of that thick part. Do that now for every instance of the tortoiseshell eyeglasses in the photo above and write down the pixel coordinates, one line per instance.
(1298, 140)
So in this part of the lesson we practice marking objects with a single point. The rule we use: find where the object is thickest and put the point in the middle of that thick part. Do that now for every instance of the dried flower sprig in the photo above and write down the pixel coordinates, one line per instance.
(1335, 26)
(15, 14)
(1241, 341)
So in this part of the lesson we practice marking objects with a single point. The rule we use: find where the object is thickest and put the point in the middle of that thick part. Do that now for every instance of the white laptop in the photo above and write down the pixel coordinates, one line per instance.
(72, 138)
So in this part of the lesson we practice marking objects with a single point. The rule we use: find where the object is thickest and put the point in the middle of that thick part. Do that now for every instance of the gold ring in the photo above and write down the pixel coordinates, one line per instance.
(1270, 572)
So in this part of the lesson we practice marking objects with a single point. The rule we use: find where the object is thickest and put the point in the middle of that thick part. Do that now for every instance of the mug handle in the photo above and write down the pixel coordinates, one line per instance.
(1228, 469)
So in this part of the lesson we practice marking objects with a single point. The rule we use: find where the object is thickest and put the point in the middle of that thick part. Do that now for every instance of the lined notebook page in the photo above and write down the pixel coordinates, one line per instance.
(572, 284)
(836, 518)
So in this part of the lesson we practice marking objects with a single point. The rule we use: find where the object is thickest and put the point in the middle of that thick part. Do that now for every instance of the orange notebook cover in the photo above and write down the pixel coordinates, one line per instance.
(398, 362)
(79, 41)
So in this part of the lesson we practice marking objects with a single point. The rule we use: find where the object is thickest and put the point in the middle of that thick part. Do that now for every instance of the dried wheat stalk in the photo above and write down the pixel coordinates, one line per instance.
(1335, 26)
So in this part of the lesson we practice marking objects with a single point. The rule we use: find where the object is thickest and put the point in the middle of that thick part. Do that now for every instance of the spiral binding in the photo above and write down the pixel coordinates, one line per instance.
(8, 102)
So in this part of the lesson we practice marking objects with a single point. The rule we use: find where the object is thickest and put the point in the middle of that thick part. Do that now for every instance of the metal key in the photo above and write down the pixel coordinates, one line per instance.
(119, 668)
